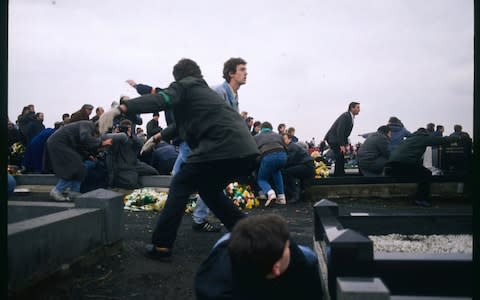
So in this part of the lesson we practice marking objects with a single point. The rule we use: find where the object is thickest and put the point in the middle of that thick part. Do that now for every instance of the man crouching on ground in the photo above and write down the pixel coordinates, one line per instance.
(222, 150)
(259, 260)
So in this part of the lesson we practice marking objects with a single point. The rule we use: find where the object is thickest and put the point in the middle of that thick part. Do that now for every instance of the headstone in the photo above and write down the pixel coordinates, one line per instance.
(355, 288)
(112, 205)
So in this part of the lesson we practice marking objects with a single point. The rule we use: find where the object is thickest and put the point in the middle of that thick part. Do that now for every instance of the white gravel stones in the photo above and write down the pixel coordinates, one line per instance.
(422, 243)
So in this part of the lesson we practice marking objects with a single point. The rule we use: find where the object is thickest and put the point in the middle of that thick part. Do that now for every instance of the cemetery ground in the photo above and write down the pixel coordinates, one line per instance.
(122, 272)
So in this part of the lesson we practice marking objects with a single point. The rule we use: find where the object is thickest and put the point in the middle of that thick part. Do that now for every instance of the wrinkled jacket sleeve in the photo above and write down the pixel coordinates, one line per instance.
(86, 137)
(163, 100)
(143, 89)
(383, 148)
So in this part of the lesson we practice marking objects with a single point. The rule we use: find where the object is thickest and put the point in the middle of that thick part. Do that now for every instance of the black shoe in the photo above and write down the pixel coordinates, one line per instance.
(206, 227)
(152, 252)
(423, 203)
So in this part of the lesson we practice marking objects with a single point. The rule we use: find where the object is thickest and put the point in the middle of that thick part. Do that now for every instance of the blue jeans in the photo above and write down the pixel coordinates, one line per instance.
(74, 185)
(270, 167)
(201, 211)
(63, 184)
(11, 185)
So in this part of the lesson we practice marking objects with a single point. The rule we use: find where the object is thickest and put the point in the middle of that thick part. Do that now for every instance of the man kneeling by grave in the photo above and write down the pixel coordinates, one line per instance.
(406, 160)
(298, 171)
(124, 167)
(259, 260)
(374, 153)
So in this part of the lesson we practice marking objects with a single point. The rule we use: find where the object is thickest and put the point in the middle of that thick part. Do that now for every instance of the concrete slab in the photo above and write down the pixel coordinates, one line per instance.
(111, 204)
(23, 210)
(38, 247)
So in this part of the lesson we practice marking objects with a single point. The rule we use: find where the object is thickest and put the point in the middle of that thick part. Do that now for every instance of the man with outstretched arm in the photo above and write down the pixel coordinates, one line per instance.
(222, 150)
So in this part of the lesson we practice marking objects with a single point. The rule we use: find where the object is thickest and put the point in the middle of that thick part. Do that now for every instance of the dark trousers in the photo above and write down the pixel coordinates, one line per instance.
(209, 179)
(422, 175)
(339, 161)
(293, 177)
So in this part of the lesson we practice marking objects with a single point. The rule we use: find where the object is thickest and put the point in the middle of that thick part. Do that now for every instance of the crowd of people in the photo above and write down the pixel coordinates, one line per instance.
(208, 143)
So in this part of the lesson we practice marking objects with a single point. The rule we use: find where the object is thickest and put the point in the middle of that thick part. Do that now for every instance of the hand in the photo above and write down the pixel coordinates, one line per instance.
(107, 142)
(123, 108)
(131, 82)
(157, 137)
(148, 146)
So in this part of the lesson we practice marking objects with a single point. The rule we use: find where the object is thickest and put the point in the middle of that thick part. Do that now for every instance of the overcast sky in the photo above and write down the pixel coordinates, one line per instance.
(307, 59)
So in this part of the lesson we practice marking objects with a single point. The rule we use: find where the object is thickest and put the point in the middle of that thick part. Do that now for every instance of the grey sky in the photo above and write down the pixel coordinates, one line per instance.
(307, 59)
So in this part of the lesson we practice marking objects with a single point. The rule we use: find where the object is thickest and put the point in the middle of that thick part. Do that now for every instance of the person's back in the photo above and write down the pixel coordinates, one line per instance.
(411, 149)
(164, 157)
(374, 153)
(399, 132)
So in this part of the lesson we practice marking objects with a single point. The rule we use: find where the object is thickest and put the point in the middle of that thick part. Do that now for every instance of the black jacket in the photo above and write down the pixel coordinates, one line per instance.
(340, 131)
(410, 150)
(68, 146)
(296, 155)
(212, 129)
(374, 153)
(215, 279)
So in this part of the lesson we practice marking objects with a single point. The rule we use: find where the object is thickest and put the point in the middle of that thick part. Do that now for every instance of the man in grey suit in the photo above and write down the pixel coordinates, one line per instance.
(337, 136)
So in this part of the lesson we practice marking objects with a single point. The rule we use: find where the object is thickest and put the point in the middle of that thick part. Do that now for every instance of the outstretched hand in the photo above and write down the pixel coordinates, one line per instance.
(150, 143)
(131, 82)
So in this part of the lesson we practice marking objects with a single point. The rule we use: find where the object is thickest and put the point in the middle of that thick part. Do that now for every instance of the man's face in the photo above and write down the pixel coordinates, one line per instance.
(240, 75)
(40, 117)
(286, 140)
(88, 111)
(285, 259)
(100, 111)
(356, 109)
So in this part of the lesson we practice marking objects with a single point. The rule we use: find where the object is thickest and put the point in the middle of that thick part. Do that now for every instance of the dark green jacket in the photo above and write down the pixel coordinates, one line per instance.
(211, 128)
(410, 150)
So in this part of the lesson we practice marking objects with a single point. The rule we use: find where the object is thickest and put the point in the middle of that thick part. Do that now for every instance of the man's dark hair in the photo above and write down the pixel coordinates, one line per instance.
(186, 67)
(125, 123)
(352, 105)
(422, 130)
(280, 126)
(256, 243)
(230, 66)
(384, 129)
(457, 128)
(65, 116)
(256, 123)
(439, 127)
(430, 127)
(87, 106)
(248, 119)
(266, 125)
(156, 114)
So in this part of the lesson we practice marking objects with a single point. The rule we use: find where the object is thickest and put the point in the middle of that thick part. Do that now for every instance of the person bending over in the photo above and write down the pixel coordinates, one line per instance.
(259, 260)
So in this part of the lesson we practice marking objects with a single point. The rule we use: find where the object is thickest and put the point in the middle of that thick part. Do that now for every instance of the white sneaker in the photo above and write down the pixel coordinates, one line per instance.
(281, 199)
(58, 196)
(261, 195)
(271, 197)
